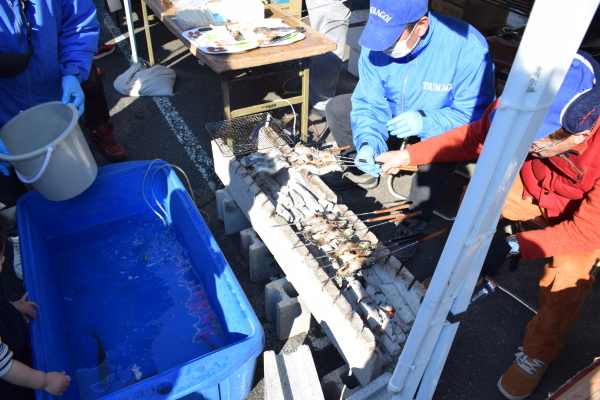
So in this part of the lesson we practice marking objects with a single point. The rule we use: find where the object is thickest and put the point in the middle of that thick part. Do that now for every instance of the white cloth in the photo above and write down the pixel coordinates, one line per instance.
(140, 81)
(329, 17)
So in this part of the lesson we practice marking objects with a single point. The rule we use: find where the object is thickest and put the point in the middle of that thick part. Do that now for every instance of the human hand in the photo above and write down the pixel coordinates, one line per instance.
(409, 123)
(4, 164)
(72, 93)
(365, 160)
(26, 307)
(57, 383)
(393, 160)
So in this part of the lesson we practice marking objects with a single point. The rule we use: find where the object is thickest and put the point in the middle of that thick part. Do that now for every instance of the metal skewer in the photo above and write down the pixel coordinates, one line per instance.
(400, 218)
(403, 247)
(346, 162)
(392, 217)
(401, 239)
(400, 207)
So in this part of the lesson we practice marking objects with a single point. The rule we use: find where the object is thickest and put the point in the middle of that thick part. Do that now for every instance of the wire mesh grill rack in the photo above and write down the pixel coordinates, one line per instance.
(244, 135)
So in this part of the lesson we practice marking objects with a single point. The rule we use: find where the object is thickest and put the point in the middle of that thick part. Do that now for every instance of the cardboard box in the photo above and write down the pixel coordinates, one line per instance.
(291, 7)
(481, 15)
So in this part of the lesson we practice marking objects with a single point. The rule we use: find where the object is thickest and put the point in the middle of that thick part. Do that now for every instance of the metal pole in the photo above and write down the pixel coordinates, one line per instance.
(536, 75)
(131, 30)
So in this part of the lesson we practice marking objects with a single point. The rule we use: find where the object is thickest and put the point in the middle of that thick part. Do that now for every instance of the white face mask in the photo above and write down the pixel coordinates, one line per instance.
(400, 48)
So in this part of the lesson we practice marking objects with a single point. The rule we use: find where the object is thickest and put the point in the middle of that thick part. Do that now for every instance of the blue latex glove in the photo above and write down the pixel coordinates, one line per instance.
(4, 164)
(365, 160)
(72, 92)
(409, 123)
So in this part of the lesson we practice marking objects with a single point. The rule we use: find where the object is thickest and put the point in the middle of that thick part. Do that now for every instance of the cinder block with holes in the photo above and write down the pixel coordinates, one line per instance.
(284, 307)
(257, 257)
(339, 384)
(230, 213)
(291, 376)
(376, 390)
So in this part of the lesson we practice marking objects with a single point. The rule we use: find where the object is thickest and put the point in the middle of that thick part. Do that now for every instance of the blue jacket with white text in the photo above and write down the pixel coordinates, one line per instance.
(449, 76)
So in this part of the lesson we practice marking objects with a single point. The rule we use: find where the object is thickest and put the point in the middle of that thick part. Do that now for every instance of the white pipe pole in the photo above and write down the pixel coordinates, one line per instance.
(131, 30)
(545, 54)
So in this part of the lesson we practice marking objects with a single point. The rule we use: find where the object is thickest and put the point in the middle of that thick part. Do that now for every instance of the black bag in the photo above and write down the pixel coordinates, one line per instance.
(12, 64)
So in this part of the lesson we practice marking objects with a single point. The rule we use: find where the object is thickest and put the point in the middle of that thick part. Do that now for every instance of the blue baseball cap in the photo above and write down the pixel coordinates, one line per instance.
(387, 21)
(570, 109)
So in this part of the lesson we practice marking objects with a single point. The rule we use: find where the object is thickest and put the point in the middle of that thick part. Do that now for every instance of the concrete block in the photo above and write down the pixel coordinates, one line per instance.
(230, 213)
(257, 257)
(291, 376)
(357, 345)
(376, 390)
(339, 385)
(284, 307)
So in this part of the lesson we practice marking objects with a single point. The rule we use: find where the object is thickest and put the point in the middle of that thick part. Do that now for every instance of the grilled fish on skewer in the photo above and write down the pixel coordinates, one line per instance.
(355, 265)
(350, 255)
(319, 168)
(330, 235)
(341, 249)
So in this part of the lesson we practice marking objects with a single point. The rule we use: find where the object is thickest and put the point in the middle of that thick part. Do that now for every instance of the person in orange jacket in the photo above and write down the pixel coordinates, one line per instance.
(559, 182)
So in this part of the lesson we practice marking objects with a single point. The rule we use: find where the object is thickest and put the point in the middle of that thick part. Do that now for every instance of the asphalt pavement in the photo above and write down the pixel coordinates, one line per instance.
(173, 129)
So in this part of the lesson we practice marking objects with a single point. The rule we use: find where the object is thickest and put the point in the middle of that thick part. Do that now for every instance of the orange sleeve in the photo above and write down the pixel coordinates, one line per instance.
(461, 143)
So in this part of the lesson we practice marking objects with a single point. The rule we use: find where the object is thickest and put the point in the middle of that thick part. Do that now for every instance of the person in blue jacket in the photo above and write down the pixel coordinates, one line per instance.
(420, 74)
(46, 52)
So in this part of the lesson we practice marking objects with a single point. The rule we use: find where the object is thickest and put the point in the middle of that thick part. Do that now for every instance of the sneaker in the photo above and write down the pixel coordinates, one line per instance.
(104, 141)
(521, 379)
(347, 180)
(105, 50)
(17, 265)
(318, 109)
(320, 106)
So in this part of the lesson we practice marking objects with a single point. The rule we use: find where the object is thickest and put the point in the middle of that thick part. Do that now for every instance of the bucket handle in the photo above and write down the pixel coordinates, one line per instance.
(42, 170)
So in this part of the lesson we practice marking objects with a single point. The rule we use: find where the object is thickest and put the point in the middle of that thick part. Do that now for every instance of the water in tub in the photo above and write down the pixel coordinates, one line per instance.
(134, 307)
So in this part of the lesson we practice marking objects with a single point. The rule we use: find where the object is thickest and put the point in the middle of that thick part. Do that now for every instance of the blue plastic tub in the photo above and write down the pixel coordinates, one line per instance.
(131, 307)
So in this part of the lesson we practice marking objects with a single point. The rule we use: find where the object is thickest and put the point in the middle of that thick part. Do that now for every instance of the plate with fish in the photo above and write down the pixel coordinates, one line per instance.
(219, 40)
(235, 38)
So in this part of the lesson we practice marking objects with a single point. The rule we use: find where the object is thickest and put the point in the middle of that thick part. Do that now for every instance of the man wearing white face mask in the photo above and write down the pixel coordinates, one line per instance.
(421, 74)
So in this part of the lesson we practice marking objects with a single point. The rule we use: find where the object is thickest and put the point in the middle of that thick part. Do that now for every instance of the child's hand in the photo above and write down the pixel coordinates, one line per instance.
(26, 307)
(57, 383)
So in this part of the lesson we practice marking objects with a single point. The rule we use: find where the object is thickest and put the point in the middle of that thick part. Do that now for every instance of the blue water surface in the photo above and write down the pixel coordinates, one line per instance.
(134, 307)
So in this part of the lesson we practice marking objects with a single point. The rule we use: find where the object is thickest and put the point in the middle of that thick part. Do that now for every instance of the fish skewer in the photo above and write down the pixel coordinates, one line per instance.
(373, 260)
(401, 239)
(364, 245)
(325, 215)
(345, 222)
(396, 208)
(410, 168)
(400, 218)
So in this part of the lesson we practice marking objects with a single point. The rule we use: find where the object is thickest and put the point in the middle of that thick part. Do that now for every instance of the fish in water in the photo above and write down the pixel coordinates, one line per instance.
(105, 377)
